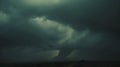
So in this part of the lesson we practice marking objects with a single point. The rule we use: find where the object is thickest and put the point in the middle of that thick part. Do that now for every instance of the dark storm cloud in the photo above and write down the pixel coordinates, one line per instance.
(18, 32)
(19, 13)
(97, 15)
(69, 17)
(105, 49)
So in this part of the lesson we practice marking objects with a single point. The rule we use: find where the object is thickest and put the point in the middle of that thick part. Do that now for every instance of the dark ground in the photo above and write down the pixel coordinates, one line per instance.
(65, 64)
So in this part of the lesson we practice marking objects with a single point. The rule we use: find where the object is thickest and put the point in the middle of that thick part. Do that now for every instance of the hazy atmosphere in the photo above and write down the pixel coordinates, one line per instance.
(50, 30)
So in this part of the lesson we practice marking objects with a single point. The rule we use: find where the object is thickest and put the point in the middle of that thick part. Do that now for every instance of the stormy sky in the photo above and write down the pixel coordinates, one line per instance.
(40, 30)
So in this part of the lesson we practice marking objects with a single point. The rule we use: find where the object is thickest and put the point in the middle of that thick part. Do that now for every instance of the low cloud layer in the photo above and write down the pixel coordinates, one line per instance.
(54, 28)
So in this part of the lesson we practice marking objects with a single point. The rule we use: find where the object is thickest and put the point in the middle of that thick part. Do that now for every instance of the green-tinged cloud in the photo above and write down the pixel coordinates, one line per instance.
(88, 26)
(3, 17)
(64, 33)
